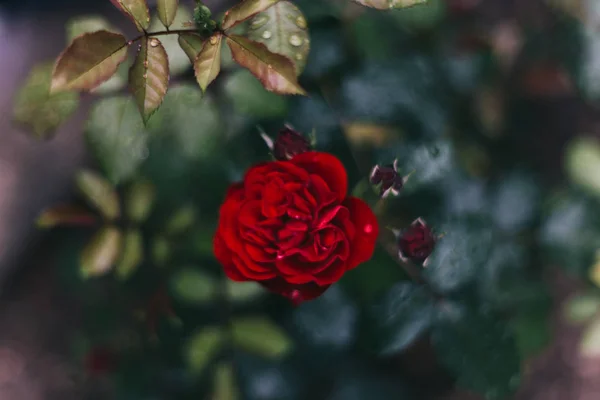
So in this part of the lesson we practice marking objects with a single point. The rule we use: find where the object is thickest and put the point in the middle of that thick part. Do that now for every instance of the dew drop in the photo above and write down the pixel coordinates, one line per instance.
(259, 21)
(267, 34)
(154, 42)
(296, 40)
(213, 40)
(301, 22)
(299, 56)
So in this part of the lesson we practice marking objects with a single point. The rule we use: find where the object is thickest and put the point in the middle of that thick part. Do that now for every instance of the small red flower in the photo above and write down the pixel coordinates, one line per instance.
(388, 178)
(417, 242)
(291, 226)
(288, 144)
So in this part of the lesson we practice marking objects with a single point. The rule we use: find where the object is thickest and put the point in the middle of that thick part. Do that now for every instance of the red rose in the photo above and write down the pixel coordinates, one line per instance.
(290, 226)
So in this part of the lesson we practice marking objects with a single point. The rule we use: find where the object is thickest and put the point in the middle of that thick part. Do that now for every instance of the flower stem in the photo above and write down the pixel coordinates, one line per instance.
(162, 33)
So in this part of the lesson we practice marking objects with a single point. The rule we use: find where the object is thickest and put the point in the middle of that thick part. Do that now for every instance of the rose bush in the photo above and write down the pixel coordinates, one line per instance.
(291, 226)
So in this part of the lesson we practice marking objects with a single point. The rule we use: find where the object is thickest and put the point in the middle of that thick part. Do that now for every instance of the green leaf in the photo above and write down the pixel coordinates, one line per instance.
(260, 336)
(116, 135)
(590, 340)
(78, 68)
(191, 44)
(405, 313)
(65, 215)
(167, 10)
(243, 292)
(388, 4)
(202, 347)
(583, 163)
(178, 59)
(423, 16)
(276, 72)
(479, 350)
(189, 285)
(532, 331)
(99, 193)
(87, 24)
(38, 110)
(132, 256)
(136, 10)
(101, 253)
(149, 76)
(161, 251)
(182, 220)
(139, 200)
(249, 97)
(207, 64)
(582, 307)
(224, 384)
(283, 29)
(244, 10)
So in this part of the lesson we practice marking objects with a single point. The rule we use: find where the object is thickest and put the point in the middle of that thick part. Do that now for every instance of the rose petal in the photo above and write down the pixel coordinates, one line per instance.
(296, 293)
(224, 256)
(328, 167)
(366, 227)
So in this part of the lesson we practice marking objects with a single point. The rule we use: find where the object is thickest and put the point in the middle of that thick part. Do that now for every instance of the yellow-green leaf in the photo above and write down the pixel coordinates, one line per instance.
(590, 340)
(101, 253)
(161, 251)
(91, 59)
(387, 4)
(192, 44)
(582, 161)
(191, 286)
(167, 10)
(276, 72)
(283, 29)
(178, 59)
(244, 10)
(261, 336)
(65, 215)
(224, 385)
(139, 200)
(203, 347)
(38, 110)
(132, 255)
(99, 193)
(207, 64)
(149, 76)
(182, 220)
(136, 10)
(242, 292)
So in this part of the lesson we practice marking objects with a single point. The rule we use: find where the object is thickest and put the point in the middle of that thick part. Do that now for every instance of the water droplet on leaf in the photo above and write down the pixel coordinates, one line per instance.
(296, 40)
(267, 34)
(259, 21)
(213, 40)
(154, 42)
(301, 22)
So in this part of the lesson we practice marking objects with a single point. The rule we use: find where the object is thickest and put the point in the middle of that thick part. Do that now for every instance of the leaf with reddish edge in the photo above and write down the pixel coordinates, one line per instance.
(136, 10)
(207, 64)
(167, 9)
(149, 76)
(91, 59)
(389, 4)
(191, 44)
(276, 72)
(65, 214)
(244, 10)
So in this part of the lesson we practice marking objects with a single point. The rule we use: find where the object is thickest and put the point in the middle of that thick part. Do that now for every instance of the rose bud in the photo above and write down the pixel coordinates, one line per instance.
(417, 242)
(288, 143)
(291, 226)
(388, 178)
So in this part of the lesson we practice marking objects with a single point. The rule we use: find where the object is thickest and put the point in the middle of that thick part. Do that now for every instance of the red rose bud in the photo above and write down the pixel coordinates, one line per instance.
(288, 144)
(417, 242)
(388, 179)
(291, 226)
(100, 361)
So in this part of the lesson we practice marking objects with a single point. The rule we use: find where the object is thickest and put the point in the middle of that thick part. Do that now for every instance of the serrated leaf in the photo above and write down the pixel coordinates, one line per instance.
(405, 312)
(388, 4)
(99, 193)
(132, 255)
(260, 336)
(116, 135)
(87, 24)
(283, 29)
(65, 215)
(91, 59)
(192, 286)
(38, 110)
(191, 44)
(202, 347)
(225, 386)
(244, 10)
(136, 10)
(167, 10)
(207, 64)
(139, 200)
(275, 72)
(101, 253)
(178, 59)
(149, 76)
(480, 351)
